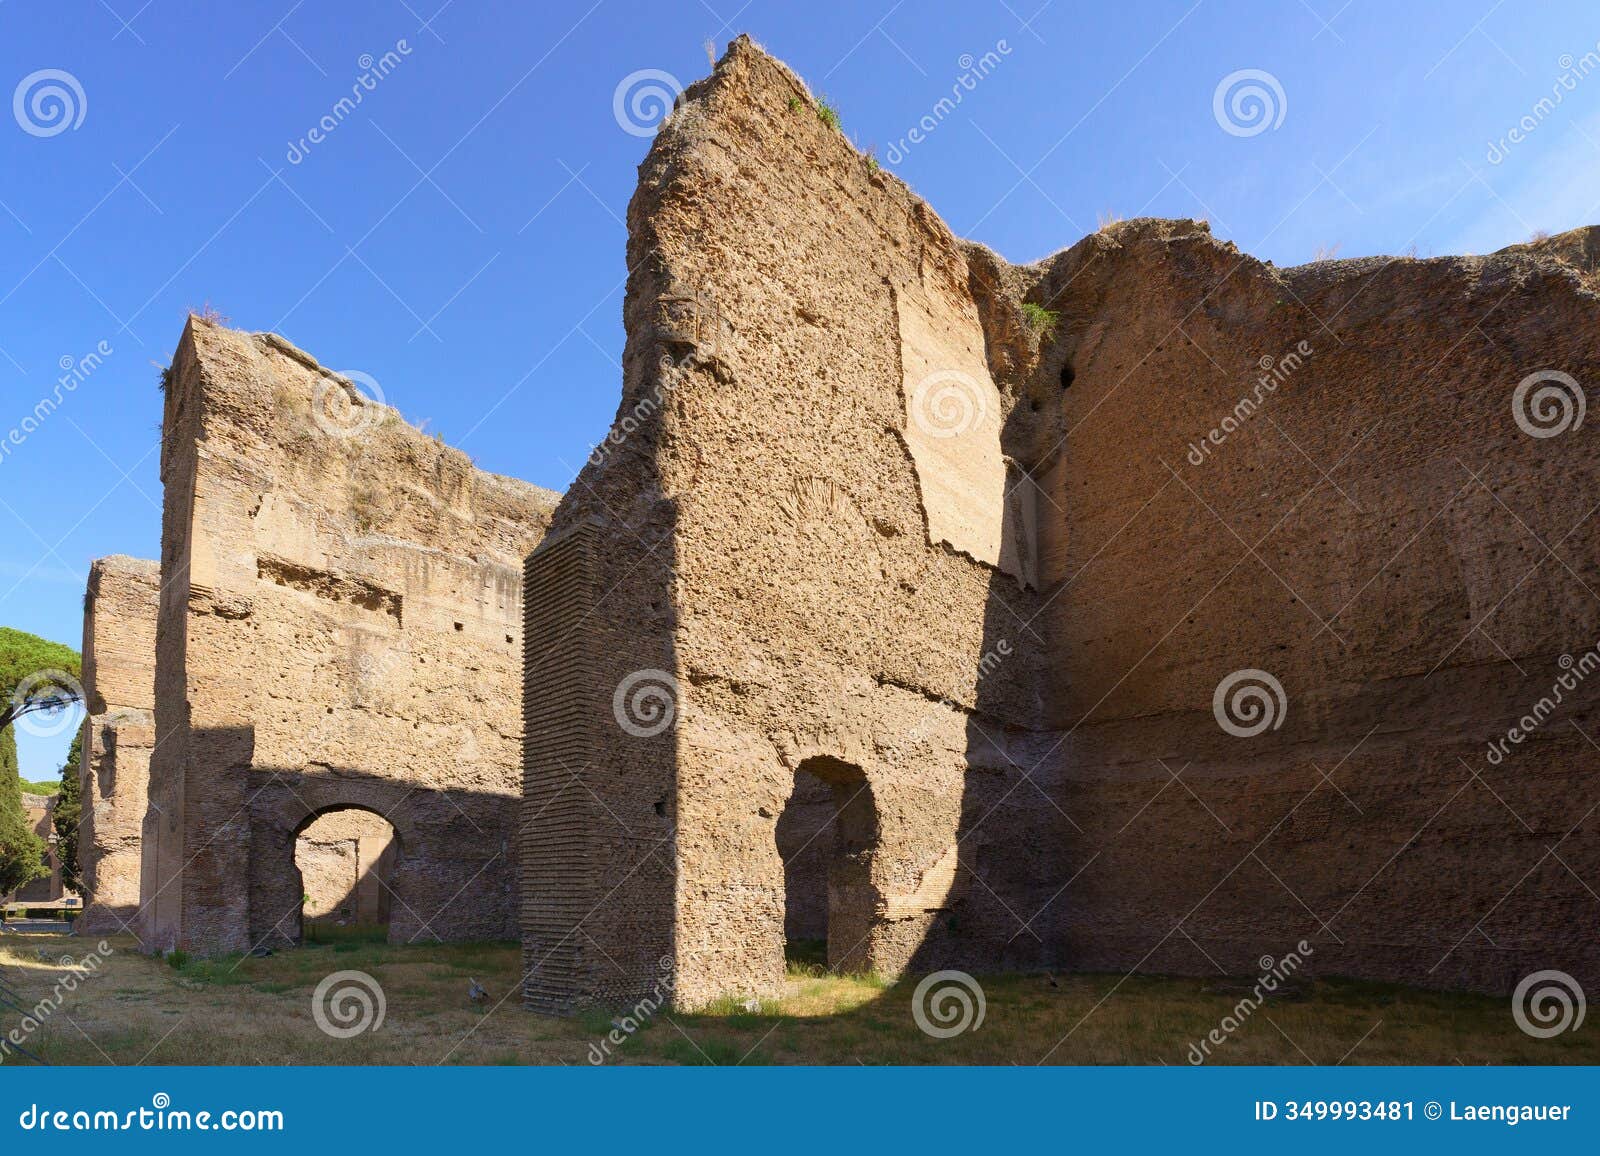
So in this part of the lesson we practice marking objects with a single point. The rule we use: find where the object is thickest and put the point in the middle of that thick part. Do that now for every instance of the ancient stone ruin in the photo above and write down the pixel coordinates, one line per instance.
(119, 731)
(339, 629)
(892, 527)
(1147, 608)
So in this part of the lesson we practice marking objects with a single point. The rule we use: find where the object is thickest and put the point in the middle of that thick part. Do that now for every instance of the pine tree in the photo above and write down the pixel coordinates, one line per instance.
(49, 671)
(21, 851)
(67, 815)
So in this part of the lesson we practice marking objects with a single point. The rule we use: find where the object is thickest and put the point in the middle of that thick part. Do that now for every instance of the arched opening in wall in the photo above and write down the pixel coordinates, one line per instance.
(346, 858)
(826, 838)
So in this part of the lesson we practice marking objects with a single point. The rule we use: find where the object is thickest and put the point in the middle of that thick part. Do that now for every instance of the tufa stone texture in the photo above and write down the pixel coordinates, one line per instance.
(958, 583)
(339, 628)
(119, 662)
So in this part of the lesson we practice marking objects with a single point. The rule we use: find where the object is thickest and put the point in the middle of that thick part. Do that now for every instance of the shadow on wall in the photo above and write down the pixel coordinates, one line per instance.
(441, 878)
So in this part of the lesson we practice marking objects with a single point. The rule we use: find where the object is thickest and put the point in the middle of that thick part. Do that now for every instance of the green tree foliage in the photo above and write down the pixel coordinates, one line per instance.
(67, 815)
(46, 674)
(21, 851)
(35, 675)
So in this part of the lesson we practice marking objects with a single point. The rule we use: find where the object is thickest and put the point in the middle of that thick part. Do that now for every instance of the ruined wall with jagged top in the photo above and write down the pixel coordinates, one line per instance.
(339, 626)
(1146, 608)
(806, 527)
(1363, 488)
(119, 652)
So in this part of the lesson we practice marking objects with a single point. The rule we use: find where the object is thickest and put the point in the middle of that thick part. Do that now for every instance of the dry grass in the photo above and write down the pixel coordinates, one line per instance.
(258, 1011)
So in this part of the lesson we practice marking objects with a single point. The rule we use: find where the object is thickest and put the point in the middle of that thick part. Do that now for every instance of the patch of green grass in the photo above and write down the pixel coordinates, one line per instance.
(796, 104)
(1041, 320)
(223, 971)
(320, 932)
(806, 957)
(827, 113)
(701, 1053)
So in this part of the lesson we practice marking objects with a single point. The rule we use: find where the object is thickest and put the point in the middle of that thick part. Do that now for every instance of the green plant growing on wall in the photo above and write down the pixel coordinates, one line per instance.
(1041, 320)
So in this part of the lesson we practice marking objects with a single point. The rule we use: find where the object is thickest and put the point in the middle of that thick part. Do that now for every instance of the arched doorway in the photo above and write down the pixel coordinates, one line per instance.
(826, 836)
(346, 858)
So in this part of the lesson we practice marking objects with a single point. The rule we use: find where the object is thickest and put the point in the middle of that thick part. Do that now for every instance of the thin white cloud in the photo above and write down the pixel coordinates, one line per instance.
(1553, 188)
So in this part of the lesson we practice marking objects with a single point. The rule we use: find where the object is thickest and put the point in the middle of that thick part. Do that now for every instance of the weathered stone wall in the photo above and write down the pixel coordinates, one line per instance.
(339, 627)
(119, 660)
(815, 573)
(865, 515)
(1377, 532)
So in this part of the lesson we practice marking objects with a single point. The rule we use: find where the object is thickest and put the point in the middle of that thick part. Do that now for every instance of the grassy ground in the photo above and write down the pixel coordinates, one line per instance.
(258, 1011)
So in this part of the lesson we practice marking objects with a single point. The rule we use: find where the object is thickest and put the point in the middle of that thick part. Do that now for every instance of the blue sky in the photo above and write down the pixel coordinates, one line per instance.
(458, 235)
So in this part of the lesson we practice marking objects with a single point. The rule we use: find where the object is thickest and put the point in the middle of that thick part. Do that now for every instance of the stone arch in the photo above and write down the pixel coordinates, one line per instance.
(346, 857)
(286, 805)
(827, 836)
